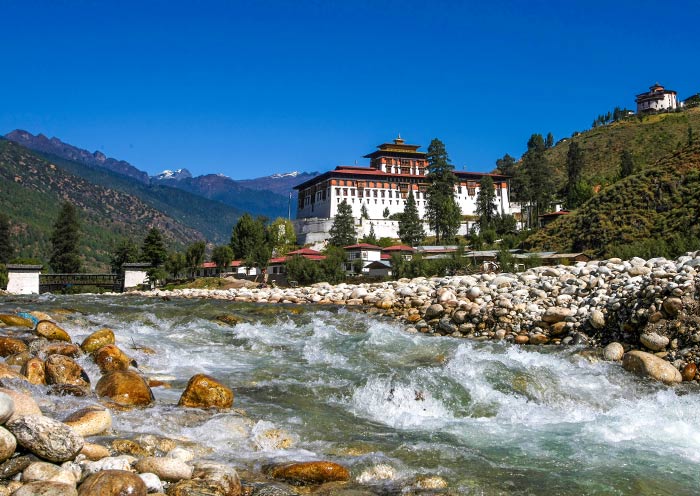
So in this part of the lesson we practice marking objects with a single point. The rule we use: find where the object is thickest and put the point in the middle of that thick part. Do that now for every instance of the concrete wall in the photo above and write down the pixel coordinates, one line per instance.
(23, 282)
(134, 278)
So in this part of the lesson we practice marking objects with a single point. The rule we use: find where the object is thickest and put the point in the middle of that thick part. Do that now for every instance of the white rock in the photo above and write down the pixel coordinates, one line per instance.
(654, 341)
(613, 352)
(152, 481)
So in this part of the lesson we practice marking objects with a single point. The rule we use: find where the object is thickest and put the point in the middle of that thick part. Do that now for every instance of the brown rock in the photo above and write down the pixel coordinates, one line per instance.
(94, 452)
(51, 331)
(557, 328)
(125, 388)
(539, 339)
(648, 365)
(7, 372)
(24, 404)
(46, 488)
(222, 476)
(689, 372)
(203, 391)
(16, 321)
(14, 466)
(521, 339)
(129, 447)
(10, 346)
(672, 306)
(66, 349)
(310, 472)
(197, 487)
(110, 357)
(97, 340)
(63, 370)
(90, 421)
(18, 358)
(34, 371)
(113, 483)
(556, 314)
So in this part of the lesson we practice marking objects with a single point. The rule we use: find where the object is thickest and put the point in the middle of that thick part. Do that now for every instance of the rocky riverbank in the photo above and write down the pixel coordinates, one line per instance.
(648, 305)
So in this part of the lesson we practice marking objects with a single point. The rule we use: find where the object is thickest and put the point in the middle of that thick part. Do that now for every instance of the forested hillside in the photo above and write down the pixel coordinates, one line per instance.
(32, 190)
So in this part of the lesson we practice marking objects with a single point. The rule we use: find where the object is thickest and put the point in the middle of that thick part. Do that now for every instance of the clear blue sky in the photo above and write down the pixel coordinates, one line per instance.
(253, 88)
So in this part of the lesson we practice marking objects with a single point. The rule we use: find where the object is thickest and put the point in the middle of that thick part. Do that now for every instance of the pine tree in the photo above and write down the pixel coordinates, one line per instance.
(443, 214)
(153, 248)
(7, 248)
(371, 238)
(626, 164)
(549, 142)
(506, 165)
(410, 226)
(575, 190)
(538, 176)
(386, 213)
(486, 204)
(343, 230)
(363, 212)
(65, 256)
(126, 251)
(222, 256)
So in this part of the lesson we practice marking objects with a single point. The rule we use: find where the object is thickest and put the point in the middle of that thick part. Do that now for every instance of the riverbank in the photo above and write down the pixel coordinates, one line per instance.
(648, 305)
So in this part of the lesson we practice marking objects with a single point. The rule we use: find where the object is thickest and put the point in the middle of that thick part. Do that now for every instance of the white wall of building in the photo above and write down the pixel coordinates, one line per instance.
(21, 283)
(134, 278)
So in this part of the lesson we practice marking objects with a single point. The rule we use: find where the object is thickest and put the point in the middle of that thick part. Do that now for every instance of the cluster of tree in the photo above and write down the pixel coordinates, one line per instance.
(609, 117)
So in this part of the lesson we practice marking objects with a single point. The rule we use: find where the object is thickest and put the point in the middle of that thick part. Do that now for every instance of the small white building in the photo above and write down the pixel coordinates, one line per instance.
(135, 274)
(23, 279)
(363, 251)
(656, 99)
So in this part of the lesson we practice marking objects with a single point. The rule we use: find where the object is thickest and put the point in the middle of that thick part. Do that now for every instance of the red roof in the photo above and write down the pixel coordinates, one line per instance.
(560, 212)
(386, 256)
(366, 246)
(399, 248)
(211, 265)
(304, 251)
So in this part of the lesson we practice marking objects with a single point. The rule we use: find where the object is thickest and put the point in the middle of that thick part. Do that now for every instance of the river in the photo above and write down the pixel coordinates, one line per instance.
(327, 383)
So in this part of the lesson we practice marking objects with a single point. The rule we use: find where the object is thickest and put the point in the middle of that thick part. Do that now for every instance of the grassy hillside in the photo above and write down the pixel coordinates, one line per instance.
(651, 213)
(32, 190)
(648, 138)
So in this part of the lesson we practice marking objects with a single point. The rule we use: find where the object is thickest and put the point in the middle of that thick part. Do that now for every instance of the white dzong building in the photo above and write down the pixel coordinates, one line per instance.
(394, 169)
(657, 98)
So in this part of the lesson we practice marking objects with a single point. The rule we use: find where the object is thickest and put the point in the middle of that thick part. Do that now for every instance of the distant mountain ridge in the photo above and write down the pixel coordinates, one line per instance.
(268, 196)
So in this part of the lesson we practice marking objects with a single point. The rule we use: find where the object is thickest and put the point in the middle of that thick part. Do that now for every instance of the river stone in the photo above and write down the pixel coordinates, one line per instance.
(538, 339)
(203, 391)
(63, 370)
(90, 421)
(46, 488)
(654, 341)
(434, 311)
(8, 444)
(51, 331)
(10, 346)
(168, 469)
(196, 488)
(18, 359)
(556, 314)
(45, 471)
(597, 319)
(125, 387)
(94, 452)
(109, 358)
(613, 352)
(7, 372)
(304, 473)
(648, 365)
(34, 370)
(672, 306)
(66, 349)
(122, 462)
(97, 340)
(113, 483)
(7, 407)
(223, 476)
(521, 339)
(45, 437)
(152, 481)
(16, 321)
(23, 403)
(14, 466)
(689, 371)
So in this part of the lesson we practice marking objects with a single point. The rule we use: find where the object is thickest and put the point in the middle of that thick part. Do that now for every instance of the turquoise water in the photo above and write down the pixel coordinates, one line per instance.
(326, 383)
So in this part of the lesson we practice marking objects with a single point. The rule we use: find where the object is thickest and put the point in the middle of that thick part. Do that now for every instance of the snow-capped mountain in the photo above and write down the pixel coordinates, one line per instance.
(172, 175)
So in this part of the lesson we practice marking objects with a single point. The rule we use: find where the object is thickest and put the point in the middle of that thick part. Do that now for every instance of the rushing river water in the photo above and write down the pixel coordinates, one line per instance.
(327, 383)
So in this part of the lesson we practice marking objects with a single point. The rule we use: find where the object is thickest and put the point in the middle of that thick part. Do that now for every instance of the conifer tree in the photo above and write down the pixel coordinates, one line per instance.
(222, 256)
(343, 230)
(386, 213)
(363, 212)
(126, 251)
(626, 164)
(538, 177)
(410, 226)
(486, 204)
(576, 189)
(371, 238)
(65, 239)
(549, 142)
(7, 248)
(443, 214)
(153, 248)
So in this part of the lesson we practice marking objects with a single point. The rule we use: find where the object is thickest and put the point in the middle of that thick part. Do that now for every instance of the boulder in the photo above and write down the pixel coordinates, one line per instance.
(7, 372)
(113, 483)
(219, 475)
(90, 421)
(8, 444)
(648, 365)
(10, 346)
(613, 352)
(67, 349)
(34, 370)
(45, 437)
(97, 340)
(63, 370)
(597, 319)
(434, 311)
(167, 469)
(46, 488)
(23, 403)
(45, 471)
(16, 321)
(305, 473)
(109, 358)
(654, 341)
(51, 331)
(689, 371)
(556, 314)
(18, 359)
(203, 391)
(94, 452)
(672, 306)
(153, 482)
(125, 388)
(14, 466)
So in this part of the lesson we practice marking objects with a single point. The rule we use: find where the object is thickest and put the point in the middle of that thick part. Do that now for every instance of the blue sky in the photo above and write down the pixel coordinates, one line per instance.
(253, 88)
